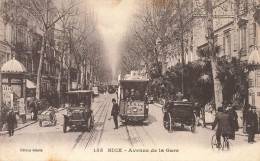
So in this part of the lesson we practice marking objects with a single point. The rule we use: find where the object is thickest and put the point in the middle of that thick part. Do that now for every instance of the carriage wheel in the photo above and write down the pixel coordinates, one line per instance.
(167, 122)
(65, 126)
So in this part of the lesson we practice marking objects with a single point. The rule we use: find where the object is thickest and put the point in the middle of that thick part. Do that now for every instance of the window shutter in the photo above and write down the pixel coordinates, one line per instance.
(224, 45)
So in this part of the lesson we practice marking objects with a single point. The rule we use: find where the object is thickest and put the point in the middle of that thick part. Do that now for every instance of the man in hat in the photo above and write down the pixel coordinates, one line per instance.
(232, 114)
(11, 120)
(252, 124)
(222, 120)
(115, 112)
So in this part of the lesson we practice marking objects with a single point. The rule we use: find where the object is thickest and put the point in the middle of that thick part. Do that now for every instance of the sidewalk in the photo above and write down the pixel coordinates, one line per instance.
(27, 123)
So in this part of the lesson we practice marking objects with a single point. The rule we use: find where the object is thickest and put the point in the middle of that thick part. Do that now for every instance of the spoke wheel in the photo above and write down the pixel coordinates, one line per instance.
(226, 145)
(167, 122)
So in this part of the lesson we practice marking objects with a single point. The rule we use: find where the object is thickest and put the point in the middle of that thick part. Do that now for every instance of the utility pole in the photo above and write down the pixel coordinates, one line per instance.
(213, 59)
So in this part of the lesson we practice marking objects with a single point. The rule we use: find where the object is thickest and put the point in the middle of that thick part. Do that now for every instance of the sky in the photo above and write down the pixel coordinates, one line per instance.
(113, 20)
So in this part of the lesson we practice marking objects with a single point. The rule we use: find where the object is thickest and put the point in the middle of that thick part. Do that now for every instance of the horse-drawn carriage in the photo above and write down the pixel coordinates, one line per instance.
(179, 112)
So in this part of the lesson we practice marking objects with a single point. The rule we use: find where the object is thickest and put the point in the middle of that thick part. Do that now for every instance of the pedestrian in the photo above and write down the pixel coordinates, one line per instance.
(51, 111)
(232, 114)
(34, 110)
(252, 124)
(11, 121)
(115, 112)
(222, 120)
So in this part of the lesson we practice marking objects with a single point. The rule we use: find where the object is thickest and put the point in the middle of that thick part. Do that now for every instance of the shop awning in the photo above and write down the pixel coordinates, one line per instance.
(30, 84)
(254, 58)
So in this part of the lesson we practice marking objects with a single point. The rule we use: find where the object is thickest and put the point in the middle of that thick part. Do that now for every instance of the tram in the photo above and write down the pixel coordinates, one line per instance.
(133, 98)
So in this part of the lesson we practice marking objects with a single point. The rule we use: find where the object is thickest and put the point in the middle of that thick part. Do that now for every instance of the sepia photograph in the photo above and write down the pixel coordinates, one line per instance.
(131, 80)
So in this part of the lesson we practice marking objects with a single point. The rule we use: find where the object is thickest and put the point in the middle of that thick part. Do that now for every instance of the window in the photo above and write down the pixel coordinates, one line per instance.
(243, 40)
(258, 77)
(254, 35)
(227, 43)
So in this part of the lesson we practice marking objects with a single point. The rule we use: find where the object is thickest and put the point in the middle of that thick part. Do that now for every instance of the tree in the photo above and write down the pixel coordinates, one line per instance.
(149, 35)
(233, 78)
(212, 51)
(46, 13)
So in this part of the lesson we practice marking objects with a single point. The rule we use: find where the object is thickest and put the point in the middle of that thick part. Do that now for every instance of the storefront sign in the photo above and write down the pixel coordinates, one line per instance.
(8, 96)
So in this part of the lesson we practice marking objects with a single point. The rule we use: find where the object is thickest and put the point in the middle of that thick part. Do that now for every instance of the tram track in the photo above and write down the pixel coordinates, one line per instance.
(95, 132)
(85, 139)
(138, 136)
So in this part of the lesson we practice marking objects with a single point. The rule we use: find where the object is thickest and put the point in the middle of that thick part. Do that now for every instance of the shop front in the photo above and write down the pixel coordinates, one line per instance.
(254, 82)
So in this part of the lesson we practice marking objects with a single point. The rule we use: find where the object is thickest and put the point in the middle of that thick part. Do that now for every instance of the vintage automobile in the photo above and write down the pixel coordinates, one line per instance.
(79, 113)
(179, 112)
(133, 99)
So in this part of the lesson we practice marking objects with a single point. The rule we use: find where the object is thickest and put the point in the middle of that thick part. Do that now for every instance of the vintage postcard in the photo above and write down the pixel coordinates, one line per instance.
(112, 80)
